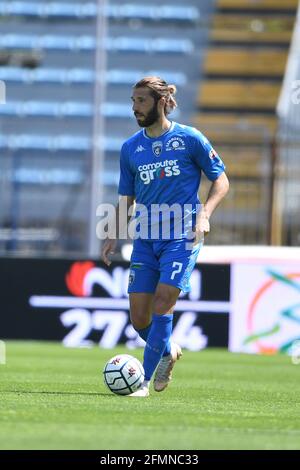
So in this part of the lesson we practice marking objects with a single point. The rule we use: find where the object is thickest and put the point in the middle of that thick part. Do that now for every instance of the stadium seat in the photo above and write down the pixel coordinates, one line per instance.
(89, 10)
(68, 76)
(87, 43)
(243, 161)
(246, 195)
(257, 4)
(267, 62)
(238, 28)
(238, 94)
(61, 142)
(224, 127)
(57, 176)
(66, 109)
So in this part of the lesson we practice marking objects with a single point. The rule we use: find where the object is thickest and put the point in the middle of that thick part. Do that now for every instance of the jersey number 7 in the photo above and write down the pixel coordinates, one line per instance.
(178, 270)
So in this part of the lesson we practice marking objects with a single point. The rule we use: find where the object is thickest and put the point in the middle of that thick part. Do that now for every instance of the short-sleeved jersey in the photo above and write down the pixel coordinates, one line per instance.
(166, 170)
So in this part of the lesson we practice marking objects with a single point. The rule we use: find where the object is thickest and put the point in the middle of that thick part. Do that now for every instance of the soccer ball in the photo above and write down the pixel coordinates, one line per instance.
(123, 374)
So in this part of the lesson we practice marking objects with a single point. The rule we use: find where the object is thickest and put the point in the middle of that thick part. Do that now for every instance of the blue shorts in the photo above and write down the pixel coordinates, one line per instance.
(170, 262)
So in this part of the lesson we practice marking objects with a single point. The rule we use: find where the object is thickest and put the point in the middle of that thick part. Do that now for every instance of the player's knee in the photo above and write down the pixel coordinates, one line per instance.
(162, 304)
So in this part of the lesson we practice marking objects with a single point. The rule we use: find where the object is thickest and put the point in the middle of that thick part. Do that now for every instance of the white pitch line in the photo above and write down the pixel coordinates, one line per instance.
(44, 301)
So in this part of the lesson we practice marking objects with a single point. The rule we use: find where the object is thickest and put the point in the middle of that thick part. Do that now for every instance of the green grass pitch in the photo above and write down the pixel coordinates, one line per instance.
(54, 398)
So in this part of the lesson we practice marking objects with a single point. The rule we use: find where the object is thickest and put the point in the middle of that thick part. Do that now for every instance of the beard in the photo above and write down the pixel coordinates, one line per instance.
(150, 118)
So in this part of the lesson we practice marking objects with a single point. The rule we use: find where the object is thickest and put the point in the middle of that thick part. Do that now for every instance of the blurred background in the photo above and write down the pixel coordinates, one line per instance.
(68, 67)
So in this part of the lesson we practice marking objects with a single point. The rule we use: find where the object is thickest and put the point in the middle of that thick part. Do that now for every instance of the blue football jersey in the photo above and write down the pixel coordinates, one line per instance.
(164, 171)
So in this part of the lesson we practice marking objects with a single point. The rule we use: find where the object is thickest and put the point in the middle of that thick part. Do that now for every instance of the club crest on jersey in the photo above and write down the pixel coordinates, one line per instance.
(157, 148)
(176, 143)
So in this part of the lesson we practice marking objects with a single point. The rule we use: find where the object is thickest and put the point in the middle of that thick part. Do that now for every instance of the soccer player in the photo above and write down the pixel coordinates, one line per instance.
(161, 169)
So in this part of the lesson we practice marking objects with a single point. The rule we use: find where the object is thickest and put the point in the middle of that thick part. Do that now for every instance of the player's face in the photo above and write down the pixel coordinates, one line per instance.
(144, 107)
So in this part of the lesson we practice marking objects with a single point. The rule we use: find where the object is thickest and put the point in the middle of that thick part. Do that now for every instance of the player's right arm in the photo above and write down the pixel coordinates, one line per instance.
(121, 219)
(126, 192)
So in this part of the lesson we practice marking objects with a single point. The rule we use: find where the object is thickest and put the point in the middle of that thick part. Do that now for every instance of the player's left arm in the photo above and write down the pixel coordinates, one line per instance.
(217, 192)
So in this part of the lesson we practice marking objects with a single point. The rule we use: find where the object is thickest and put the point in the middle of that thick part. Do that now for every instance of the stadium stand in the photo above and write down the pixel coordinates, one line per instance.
(47, 60)
(243, 72)
(236, 50)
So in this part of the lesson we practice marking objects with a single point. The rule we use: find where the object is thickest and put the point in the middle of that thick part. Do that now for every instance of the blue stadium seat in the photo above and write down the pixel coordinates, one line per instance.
(87, 43)
(57, 176)
(89, 10)
(38, 108)
(66, 109)
(128, 77)
(117, 77)
(48, 176)
(62, 142)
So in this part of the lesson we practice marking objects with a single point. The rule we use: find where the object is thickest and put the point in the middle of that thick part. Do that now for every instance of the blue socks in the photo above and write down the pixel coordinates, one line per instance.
(157, 337)
(145, 332)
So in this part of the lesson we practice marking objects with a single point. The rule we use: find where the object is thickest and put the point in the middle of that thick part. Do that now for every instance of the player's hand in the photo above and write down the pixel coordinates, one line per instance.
(201, 228)
(108, 248)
